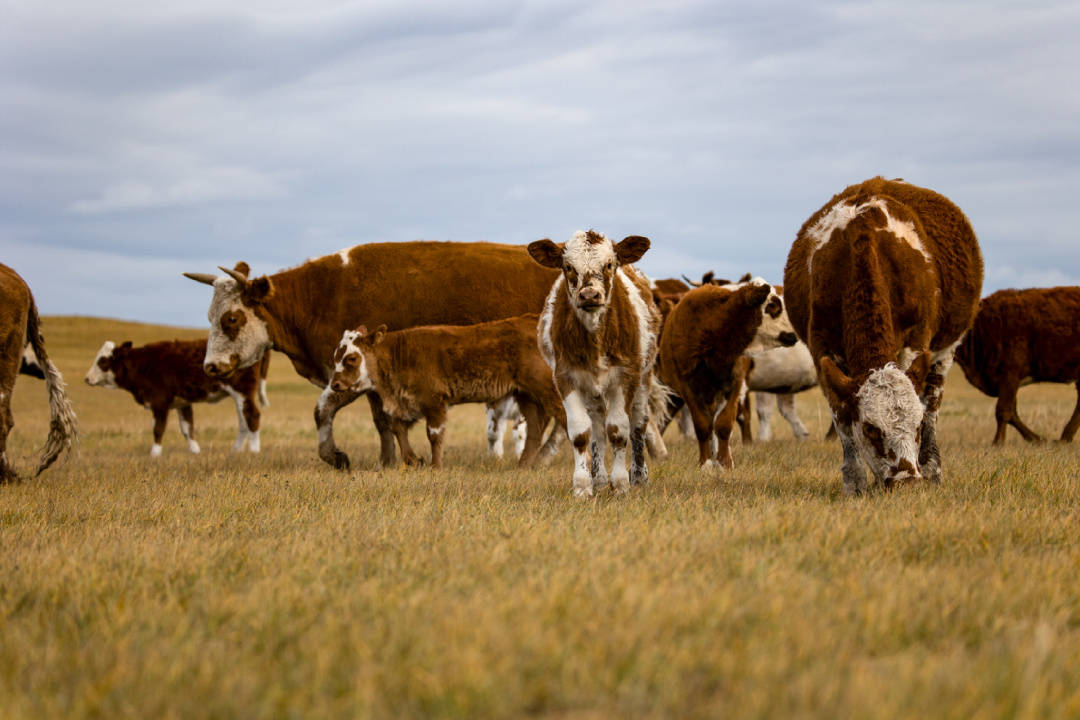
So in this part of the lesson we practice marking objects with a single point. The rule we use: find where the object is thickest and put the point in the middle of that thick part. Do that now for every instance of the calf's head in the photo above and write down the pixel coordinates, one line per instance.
(884, 414)
(102, 372)
(588, 261)
(238, 332)
(775, 329)
(353, 360)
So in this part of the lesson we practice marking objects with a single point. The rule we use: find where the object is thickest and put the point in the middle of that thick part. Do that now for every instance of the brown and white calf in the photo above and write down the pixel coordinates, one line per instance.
(420, 372)
(703, 357)
(1021, 337)
(168, 375)
(598, 334)
(882, 283)
(19, 329)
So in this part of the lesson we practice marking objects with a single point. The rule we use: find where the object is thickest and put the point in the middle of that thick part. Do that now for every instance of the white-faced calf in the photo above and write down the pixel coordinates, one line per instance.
(169, 375)
(420, 372)
(598, 333)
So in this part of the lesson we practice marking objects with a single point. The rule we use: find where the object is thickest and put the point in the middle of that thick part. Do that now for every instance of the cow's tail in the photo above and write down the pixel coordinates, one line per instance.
(63, 426)
(659, 397)
(264, 367)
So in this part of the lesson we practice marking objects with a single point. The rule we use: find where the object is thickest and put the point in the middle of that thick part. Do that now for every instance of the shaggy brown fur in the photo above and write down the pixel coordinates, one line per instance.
(19, 326)
(422, 371)
(1021, 337)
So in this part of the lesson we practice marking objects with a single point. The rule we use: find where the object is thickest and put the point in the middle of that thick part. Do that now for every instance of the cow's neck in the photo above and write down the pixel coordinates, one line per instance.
(291, 322)
(869, 338)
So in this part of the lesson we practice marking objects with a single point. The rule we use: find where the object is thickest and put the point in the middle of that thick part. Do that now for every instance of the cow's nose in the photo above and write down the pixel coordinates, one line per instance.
(211, 369)
(788, 339)
(337, 386)
(589, 295)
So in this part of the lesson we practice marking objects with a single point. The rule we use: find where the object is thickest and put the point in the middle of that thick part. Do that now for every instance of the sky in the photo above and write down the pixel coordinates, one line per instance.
(141, 140)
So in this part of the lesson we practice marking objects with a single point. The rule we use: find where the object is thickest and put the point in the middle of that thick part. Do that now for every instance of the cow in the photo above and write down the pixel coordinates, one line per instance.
(30, 365)
(598, 334)
(882, 283)
(703, 357)
(168, 375)
(1021, 337)
(419, 372)
(20, 326)
(302, 311)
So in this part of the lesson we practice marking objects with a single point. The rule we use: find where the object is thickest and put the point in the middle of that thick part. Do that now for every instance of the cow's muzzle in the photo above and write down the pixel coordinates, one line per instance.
(219, 369)
(787, 339)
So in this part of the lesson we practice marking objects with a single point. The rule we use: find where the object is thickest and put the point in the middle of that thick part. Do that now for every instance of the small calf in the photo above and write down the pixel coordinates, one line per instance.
(703, 357)
(169, 375)
(420, 372)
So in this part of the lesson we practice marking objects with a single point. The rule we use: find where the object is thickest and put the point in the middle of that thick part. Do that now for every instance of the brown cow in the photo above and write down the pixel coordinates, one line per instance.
(421, 371)
(702, 357)
(598, 334)
(169, 375)
(882, 282)
(1021, 337)
(302, 311)
(19, 326)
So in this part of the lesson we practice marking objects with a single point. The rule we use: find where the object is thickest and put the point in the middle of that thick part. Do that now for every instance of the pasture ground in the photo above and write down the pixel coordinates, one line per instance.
(273, 586)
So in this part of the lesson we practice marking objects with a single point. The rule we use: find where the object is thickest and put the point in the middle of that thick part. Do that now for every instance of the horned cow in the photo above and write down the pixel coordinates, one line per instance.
(419, 372)
(168, 375)
(20, 328)
(598, 334)
(1021, 337)
(881, 283)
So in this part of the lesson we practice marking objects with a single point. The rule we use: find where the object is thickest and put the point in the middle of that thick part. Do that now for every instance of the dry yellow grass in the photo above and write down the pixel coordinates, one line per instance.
(273, 586)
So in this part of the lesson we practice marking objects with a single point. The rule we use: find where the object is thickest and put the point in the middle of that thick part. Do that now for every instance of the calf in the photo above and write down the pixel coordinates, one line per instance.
(598, 334)
(421, 371)
(882, 282)
(19, 329)
(703, 357)
(1021, 337)
(169, 375)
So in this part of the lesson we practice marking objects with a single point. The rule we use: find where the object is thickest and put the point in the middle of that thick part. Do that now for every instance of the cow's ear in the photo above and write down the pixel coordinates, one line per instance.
(630, 249)
(918, 370)
(378, 335)
(839, 389)
(745, 278)
(758, 295)
(547, 253)
(126, 345)
(258, 290)
(243, 268)
(361, 330)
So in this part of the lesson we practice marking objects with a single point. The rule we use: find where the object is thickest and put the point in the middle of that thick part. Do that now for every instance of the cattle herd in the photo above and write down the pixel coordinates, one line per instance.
(880, 295)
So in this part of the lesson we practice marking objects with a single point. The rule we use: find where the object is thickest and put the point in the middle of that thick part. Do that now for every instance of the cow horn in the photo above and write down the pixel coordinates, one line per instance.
(240, 278)
(205, 278)
(690, 282)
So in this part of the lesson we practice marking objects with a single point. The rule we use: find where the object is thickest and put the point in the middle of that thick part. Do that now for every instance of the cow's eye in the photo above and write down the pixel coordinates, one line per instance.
(872, 432)
(351, 361)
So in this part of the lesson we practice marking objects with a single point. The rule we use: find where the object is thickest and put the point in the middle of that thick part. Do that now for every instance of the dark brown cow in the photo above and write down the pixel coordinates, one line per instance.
(421, 371)
(168, 375)
(598, 334)
(1021, 337)
(303, 311)
(19, 327)
(882, 282)
(702, 357)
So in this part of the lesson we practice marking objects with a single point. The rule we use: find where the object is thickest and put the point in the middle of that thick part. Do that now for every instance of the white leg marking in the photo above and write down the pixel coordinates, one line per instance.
(155, 450)
(253, 442)
(617, 417)
(766, 403)
(786, 403)
(577, 423)
(519, 431)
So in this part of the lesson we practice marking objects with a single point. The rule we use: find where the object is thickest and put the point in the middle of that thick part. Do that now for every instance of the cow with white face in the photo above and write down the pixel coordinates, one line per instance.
(598, 333)
(239, 335)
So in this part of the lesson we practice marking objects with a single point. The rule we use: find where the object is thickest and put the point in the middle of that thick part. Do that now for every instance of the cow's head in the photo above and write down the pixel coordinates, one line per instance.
(102, 372)
(588, 261)
(238, 333)
(884, 413)
(354, 361)
(775, 329)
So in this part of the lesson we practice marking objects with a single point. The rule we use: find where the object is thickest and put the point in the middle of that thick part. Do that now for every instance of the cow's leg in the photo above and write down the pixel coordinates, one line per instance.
(579, 427)
(551, 446)
(598, 445)
(161, 419)
(325, 409)
(766, 403)
(1005, 411)
(186, 415)
(497, 417)
(241, 426)
(929, 453)
(520, 433)
(786, 404)
(436, 433)
(535, 421)
(702, 414)
(7, 421)
(387, 453)
(725, 420)
(743, 418)
(852, 470)
(400, 429)
(252, 416)
(617, 431)
(1074, 422)
(640, 425)
(686, 423)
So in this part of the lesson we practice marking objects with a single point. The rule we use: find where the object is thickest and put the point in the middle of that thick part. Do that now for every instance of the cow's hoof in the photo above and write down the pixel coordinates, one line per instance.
(583, 493)
(340, 460)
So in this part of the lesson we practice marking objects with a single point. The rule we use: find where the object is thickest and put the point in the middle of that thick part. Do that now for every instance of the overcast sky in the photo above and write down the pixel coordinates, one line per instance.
(139, 140)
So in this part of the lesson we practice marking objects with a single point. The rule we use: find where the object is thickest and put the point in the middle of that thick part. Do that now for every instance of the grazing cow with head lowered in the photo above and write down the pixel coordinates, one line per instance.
(302, 311)
(882, 282)
(598, 334)
(703, 356)
(168, 375)
(1021, 337)
(420, 372)
(19, 328)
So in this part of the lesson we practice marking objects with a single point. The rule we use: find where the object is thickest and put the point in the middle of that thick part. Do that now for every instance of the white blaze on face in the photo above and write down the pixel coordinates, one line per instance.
(887, 422)
(843, 212)
(589, 265)
(99, 376)
(350, 362)
(774, 321)
(252, 339)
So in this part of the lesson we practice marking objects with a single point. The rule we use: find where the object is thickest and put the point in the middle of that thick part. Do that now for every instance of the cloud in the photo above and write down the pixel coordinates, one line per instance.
(208, 185)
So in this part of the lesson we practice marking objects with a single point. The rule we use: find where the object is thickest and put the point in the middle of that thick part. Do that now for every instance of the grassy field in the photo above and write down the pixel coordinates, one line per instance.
(272, 586)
